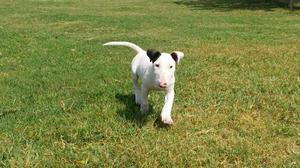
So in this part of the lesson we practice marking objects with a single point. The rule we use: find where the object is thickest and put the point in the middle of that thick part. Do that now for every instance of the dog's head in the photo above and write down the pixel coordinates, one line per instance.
(163, 65)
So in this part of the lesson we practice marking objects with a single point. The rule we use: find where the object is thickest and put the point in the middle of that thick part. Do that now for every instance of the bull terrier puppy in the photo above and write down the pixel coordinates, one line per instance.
(157, 72)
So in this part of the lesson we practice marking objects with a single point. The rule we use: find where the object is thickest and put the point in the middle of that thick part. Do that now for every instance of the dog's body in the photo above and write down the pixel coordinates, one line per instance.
(157, 72)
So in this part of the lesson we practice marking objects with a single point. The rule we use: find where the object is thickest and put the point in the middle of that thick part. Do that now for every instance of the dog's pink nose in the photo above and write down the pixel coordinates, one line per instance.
(163, 84)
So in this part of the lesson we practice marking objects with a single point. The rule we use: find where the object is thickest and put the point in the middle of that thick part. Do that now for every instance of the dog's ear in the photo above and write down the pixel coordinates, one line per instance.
(177, 56)
(153, 55)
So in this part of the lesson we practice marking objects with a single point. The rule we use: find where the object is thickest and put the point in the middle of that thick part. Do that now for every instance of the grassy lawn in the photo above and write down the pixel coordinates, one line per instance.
(67, 101)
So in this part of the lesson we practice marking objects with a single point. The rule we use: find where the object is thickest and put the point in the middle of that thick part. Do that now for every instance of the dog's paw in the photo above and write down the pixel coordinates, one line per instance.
(137, 101)
(167, 120)
(144, 108)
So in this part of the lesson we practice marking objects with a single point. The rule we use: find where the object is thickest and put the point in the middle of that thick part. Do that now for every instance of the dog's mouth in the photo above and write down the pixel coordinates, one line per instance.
(162, 87)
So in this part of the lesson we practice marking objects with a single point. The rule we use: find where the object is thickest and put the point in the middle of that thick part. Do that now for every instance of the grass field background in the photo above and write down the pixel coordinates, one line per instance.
(67, 101)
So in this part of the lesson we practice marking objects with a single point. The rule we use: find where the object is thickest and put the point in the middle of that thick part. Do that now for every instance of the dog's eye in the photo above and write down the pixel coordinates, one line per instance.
(171, 67)
(157, 65)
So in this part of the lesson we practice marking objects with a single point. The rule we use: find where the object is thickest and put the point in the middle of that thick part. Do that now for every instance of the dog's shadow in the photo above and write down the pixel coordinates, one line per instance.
(132, 112)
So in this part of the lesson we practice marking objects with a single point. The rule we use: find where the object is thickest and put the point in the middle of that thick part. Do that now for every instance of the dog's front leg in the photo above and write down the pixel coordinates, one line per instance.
(166, 111)
(144, 100)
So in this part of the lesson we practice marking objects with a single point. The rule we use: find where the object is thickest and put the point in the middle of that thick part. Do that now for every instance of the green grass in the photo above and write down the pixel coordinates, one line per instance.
(67, 101)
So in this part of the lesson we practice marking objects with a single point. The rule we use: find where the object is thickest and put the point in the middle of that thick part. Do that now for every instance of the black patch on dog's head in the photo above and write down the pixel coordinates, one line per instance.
(153, 55)
(175, 57)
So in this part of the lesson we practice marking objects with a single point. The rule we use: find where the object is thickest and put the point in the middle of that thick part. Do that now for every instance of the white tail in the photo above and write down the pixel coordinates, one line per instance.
(123, 43)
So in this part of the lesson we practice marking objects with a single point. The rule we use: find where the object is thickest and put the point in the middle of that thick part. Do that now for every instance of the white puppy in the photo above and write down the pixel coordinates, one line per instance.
(156, 70)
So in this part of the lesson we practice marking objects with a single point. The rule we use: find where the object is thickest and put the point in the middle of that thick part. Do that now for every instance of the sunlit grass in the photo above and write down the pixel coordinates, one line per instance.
(67, 101)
